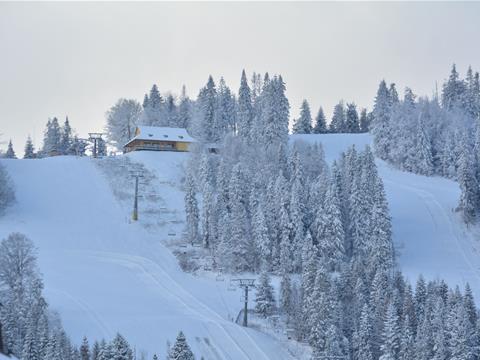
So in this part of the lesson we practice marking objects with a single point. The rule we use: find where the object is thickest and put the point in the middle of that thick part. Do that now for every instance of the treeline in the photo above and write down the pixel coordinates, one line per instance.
(31, 331)
(345, 119)
(218, 111)
(57, 140)
(348, 315)
(437, 136)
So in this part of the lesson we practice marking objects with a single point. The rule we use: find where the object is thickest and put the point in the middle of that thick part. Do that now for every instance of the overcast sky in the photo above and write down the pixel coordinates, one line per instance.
(77, 59)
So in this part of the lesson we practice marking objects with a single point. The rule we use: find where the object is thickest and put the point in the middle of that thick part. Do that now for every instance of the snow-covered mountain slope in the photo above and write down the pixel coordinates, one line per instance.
(105, 274)
(429, 236)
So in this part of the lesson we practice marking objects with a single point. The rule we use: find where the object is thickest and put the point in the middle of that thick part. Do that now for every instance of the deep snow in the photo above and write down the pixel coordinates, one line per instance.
(105, 274)
(429, 236)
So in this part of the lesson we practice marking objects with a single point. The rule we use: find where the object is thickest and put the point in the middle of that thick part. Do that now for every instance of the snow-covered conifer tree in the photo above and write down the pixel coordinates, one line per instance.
(320, 123)
(245, 109)
(264, 296)
(65, 138)
(180, 350)
(184, 116)
(121, 349)
(29, 150)
(85, 350)
(10, 154)
(364, 121)
(191, 209)
(381, 121)
(352, 124)
(337, 125)
(391, 333)
(303, 125)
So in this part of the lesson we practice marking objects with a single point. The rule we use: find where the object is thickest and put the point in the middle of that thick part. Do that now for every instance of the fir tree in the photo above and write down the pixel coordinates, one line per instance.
(337, 125)
(352, 124)
(191, 210)
(320, 123)
(181, 349)
(364, 121)
(245, 109)
(391, 341)
(381, 121)
(264, 298)
(121, 349)
(10, 154)
(303, 125)
(65, 138)
(29, 150)
(85, 350)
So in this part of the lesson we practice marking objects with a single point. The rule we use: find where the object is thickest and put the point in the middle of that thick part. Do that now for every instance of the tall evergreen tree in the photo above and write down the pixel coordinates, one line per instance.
(245, 109)
(10, 153)
(264, 297)
(181, 350)
(303, 125)
(352, 124)
(337, 125)
(29, 150)
(320, 123)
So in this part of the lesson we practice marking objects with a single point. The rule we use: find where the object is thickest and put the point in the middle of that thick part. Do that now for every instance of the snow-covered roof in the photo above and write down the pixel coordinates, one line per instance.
(162, 133)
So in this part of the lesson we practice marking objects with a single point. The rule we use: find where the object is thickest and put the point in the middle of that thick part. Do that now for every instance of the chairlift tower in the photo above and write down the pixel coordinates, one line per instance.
(95, 138)
(136, 175)
(245, 284)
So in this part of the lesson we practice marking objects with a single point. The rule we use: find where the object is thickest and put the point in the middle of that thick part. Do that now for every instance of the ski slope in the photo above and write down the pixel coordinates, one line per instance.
(104, 274)
(429, 236)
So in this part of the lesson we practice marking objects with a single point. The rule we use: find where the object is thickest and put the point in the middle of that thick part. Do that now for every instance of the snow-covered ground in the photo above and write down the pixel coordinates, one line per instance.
(429, 236)
(104, 273)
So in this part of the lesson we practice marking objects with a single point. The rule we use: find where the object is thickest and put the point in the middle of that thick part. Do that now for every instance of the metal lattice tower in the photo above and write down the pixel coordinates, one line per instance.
(245, 284)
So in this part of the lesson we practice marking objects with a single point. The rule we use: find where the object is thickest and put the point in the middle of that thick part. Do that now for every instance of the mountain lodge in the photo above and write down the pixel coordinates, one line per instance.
(159, 139)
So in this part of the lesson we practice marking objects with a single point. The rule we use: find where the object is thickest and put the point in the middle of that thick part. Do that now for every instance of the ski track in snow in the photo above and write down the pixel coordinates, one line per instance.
(104, 274)
(428, 234)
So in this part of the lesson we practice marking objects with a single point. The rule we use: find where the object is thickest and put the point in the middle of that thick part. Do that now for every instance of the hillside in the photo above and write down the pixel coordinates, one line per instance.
(429, 236)
(105, 274)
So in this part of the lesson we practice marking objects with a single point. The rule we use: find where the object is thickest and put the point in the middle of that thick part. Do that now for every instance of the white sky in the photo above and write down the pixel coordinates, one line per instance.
(77, 59)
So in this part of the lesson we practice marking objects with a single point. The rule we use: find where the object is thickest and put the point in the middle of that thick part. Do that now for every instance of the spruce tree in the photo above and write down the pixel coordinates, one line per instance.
(181, 350)
(85, 350)
(391, 332)
(65, 138)
(303, 125)
(121, 349)
(191, 209)
(469, 197)
(245, 109)
(364, 122)
(10, 154)
(320, 123)
(352, 124)
(381, 121)
(264, 296)
(29, 150)
(337, 125)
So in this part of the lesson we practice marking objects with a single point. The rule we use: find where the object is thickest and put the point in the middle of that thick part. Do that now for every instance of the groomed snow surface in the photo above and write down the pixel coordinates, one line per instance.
(104, 273)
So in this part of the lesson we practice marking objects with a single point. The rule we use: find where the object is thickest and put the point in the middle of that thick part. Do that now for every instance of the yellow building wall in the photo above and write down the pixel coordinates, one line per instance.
(181, 146)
